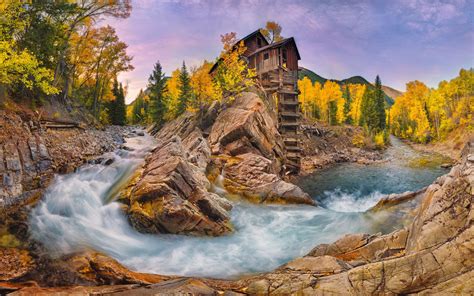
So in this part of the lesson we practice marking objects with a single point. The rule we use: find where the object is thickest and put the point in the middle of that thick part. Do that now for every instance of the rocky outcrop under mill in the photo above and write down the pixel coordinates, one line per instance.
(173, 194)
(245, 135)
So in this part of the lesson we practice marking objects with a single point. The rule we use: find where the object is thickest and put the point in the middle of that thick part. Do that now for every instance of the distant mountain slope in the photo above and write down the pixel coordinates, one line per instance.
(354, 80)
(390, 93)
(303, 72)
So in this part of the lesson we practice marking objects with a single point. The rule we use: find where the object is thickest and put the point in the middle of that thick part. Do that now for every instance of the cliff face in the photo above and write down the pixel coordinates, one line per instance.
(173, 193)
(30, 155)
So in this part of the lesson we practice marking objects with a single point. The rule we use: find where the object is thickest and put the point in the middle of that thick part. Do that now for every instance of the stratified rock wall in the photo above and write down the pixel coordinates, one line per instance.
(30, 155)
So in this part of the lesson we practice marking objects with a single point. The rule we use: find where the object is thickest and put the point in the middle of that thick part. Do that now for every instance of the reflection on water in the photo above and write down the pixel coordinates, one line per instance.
(75, 214)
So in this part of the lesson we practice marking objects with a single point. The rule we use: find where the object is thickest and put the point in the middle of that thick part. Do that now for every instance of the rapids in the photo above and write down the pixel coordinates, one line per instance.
(78, 212)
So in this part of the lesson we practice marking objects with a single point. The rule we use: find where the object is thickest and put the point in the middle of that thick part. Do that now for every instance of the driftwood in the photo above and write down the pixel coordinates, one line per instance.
(57, 123)
(312, 130)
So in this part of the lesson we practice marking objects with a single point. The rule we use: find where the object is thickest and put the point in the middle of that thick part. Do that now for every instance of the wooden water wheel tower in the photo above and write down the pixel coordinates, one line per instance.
(276, 65)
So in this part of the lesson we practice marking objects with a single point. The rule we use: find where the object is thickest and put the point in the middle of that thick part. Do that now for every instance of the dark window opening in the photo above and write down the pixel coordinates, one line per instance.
(266, 56)
(259, 42)
(284, 55)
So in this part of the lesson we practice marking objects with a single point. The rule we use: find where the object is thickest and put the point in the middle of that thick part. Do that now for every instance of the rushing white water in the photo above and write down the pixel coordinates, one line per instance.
(75, 214)
(353, 202)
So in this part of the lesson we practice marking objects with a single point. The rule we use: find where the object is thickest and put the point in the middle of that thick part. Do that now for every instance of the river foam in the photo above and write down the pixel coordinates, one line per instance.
(76, 214)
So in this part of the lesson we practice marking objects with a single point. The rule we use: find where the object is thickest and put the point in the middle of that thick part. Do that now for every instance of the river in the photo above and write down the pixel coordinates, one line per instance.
(77, 213)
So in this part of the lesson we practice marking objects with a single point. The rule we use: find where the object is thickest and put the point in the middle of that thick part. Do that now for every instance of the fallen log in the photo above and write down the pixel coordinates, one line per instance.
(59, 123)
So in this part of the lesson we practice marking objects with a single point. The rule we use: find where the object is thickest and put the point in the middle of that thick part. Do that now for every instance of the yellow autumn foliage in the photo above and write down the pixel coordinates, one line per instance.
(203, 87)
(232, 75)
(357, 92)
(423, 114)
(172, 95)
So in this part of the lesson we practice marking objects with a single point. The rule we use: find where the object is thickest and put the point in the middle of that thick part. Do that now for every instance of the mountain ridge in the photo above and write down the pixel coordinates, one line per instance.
(390, 93)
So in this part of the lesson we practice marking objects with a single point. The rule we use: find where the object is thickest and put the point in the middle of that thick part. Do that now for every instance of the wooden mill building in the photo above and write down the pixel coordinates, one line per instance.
(276, 65)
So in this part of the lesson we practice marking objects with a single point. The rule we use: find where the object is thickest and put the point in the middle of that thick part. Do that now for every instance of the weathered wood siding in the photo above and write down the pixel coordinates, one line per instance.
(275, 59)
(252, 44)
(292, 57)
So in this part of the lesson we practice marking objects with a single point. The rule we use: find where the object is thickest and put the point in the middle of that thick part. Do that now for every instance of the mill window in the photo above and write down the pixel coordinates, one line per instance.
(284, 55)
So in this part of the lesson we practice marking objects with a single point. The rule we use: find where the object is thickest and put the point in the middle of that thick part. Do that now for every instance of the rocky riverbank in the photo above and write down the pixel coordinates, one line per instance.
(451, 147)
(433, 255)
(324, 146)
(30, 155)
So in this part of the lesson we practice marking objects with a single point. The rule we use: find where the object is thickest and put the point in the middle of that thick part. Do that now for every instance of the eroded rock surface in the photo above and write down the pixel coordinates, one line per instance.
(172, 194)
(14, 263)
(396, 198)
(30, 155)
(247, 127)
(252, 176)
(246, 138)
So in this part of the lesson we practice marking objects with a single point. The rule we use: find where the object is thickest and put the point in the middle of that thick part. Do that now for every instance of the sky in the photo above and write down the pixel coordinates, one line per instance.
(400, 40)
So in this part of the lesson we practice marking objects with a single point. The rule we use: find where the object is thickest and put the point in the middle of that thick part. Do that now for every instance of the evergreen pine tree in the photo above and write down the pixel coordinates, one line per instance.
(157, 87)
(185, 91)
(116, 107)
(347, 104)
(112, 105)
(379, 120)
(120, 108)
(332, 113)
(368, 116)
(137, 116)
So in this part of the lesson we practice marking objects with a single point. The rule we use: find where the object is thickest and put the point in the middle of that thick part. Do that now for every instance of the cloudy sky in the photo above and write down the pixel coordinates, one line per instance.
(401, 40)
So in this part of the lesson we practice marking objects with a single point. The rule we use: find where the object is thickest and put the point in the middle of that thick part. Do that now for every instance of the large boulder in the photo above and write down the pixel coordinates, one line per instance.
(98, 269)
(251, 175)
(171, 195)
(247, 127)
(249, 148)
(82, 268)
